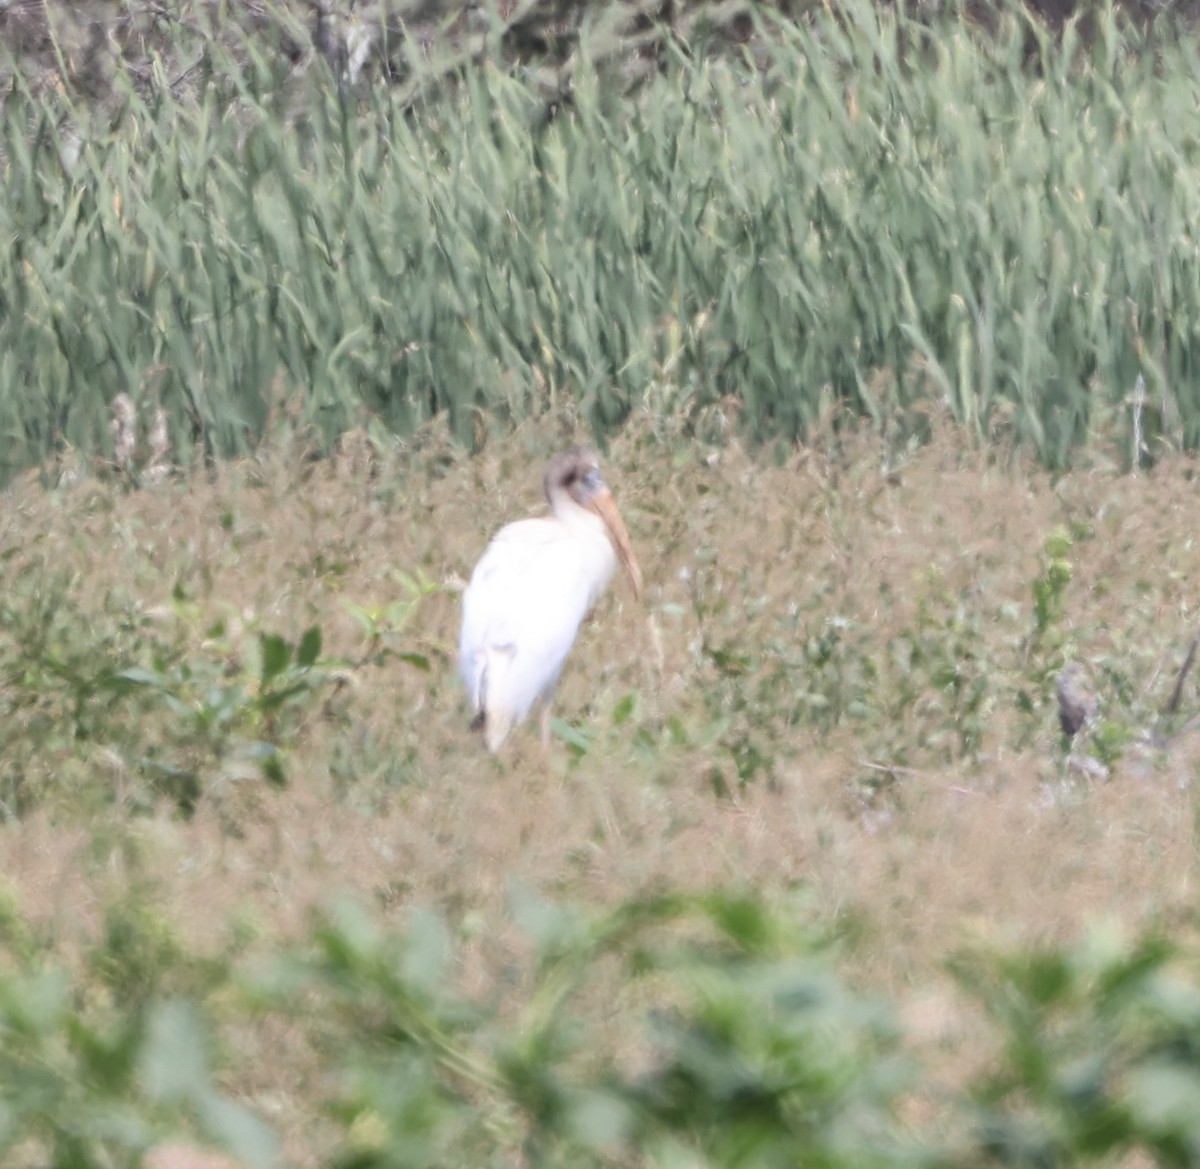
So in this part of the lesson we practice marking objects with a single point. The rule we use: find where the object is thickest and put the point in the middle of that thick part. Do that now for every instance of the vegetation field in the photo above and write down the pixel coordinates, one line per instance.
(809, 875)
(886, 323)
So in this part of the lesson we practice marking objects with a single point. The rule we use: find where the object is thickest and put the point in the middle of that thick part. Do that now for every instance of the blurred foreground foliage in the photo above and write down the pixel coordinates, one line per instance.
(725, 1038)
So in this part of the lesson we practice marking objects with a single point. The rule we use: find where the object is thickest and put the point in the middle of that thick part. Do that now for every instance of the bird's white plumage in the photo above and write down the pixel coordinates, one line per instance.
(522, 610)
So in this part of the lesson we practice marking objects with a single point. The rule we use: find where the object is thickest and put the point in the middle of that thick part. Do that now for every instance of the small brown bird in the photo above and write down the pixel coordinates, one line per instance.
(1077, 703)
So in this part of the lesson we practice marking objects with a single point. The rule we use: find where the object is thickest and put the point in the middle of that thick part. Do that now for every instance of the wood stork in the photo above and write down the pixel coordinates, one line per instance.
(531, 590)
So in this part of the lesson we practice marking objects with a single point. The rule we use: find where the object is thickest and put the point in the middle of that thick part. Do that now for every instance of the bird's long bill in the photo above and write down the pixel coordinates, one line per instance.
(605, 506)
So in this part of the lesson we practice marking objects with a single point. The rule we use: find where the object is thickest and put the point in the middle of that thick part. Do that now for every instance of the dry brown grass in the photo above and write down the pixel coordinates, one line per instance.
(390, 796)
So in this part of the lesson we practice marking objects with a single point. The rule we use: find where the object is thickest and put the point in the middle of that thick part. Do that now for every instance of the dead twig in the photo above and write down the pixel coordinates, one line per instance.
(1172, 707)
(889, 768)
(1160, 736)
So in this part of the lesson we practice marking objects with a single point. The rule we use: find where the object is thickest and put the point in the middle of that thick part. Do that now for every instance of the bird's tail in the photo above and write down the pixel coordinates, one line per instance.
(496, 727)
(496, 715)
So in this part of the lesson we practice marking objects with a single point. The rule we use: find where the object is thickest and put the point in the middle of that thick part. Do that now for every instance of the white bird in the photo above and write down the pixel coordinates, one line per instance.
(531, 590)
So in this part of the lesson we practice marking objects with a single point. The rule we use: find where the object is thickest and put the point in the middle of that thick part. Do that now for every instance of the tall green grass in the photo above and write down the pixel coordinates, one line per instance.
(866, 213)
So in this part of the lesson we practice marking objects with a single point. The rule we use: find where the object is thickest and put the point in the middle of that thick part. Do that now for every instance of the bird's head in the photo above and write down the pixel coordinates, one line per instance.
(575, 473)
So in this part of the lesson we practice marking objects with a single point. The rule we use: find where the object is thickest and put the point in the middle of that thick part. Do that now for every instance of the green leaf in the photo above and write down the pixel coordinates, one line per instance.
(624, 709)
(577, 740)
(275, 656)
(598, 1119)
(742, 920)
(140, 677)
(238, 1132)
(426, 951)
(32, 1006)
(1165, 1098)
(273, 769)
(10, 1125)
(731, 664)
(174, 1059)
(310, 647)
(277, 698)
(551, 926)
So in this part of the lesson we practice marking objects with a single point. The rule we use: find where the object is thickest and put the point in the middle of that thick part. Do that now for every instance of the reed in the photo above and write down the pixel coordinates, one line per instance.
(864, 213)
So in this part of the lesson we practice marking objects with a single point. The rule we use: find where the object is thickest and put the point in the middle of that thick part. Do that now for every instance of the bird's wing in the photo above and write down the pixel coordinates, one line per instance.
(521, 612)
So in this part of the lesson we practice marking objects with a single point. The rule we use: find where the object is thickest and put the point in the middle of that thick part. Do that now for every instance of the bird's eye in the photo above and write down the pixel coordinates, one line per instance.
(593, 480)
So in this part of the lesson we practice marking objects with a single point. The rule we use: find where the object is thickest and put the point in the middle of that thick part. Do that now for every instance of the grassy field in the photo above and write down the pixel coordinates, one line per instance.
(836, 702)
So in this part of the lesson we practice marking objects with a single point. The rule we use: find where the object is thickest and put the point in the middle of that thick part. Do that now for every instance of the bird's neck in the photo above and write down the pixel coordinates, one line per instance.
(576, 517)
